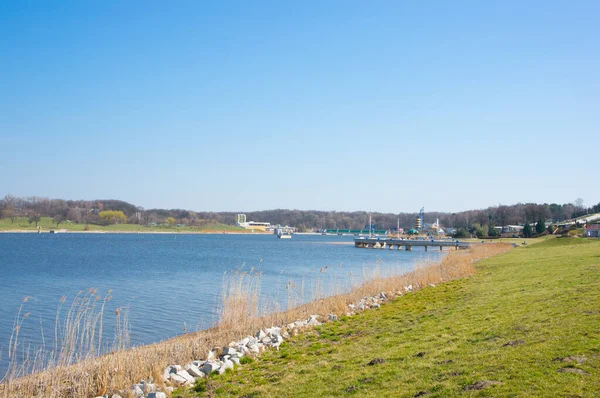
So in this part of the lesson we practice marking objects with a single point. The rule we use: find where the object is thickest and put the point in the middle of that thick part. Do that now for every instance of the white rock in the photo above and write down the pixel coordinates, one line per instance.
(244, 341)
(148, 387)
(375, 305)
(116, 396)
(229, 351)
(188, 377)
(211, 356)
(175, 378)
(157, 394)
(209, 367)
(266, 340)
(226, 365)
(261, 335)
(235, 360)
(300, 323)
(274, 331)
(170, 370)
(136, 390)
(194, 371)
(382, 296)
(254, 348)
(313, 321)
(277, 340)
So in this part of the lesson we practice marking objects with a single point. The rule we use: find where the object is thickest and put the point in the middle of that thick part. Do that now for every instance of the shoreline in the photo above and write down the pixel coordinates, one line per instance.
(26, 231)
(140, 362)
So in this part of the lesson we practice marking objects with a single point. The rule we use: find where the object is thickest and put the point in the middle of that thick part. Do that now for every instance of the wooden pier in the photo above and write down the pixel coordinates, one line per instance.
(408, 244)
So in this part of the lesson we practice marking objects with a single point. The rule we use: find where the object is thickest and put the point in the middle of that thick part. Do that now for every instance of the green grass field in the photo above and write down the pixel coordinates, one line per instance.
(517, 241)
(46, 223)
(527, 324)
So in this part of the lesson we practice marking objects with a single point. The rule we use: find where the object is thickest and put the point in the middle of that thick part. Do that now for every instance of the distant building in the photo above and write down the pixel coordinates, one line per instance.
(592, 231)
(510, 229)
(261, 226)
(434, 228)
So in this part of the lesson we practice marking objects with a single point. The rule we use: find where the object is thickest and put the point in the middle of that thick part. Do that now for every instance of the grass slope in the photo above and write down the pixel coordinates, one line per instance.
(503, 332)
(46, 223)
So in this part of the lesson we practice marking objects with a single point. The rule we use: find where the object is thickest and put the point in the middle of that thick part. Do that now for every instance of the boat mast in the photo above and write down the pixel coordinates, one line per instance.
(398, 228)
(370, 226)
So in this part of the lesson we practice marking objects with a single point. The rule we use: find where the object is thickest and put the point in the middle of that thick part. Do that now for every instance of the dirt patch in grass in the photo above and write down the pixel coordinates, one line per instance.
(513, 343)
(480, 385)
(572, 370)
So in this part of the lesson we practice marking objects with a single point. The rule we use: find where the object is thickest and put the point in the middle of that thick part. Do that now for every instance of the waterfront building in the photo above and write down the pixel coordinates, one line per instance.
(253, 225)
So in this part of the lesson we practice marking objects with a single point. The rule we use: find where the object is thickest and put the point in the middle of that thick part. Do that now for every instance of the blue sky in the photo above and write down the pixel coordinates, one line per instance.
(332, 105)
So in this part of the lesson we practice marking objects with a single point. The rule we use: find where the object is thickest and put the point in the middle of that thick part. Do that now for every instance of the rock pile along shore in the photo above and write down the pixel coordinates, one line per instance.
(219, 360)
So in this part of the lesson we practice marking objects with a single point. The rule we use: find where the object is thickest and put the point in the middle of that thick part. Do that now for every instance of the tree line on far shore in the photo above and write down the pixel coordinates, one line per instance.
(103, 212)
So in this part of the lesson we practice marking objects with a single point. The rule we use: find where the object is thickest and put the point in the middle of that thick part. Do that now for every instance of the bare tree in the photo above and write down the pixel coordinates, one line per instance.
(34, 219)
(58, 219)
(74, 214)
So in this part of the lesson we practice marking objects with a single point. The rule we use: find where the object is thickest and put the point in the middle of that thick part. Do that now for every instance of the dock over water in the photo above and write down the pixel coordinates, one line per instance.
(408, 244)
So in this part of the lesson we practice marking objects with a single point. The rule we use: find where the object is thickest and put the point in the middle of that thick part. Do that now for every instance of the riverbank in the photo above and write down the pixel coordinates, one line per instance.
(526, 324)
(239, 317)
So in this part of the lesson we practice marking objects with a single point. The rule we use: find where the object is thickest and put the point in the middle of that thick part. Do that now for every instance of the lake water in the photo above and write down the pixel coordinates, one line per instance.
(171, 282)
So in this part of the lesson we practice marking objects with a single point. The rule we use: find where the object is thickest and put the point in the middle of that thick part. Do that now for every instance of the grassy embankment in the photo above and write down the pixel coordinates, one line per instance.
(517, 241)
(46, 223)
(527, 324)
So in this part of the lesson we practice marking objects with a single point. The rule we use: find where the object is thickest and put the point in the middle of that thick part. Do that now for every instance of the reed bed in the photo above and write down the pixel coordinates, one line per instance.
(86, 373)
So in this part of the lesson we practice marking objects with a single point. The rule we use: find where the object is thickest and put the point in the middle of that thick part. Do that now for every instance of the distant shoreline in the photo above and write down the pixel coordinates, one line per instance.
(26, 231)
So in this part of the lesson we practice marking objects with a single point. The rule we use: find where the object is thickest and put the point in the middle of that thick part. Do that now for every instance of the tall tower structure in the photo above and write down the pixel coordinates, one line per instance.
(420, 220)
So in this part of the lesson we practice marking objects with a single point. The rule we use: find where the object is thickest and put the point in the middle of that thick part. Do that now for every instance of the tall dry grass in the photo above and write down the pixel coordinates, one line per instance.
(242, 313)
(78, 336)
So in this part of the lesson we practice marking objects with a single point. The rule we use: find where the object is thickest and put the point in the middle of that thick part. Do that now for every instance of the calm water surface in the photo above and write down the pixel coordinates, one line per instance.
(170, 282)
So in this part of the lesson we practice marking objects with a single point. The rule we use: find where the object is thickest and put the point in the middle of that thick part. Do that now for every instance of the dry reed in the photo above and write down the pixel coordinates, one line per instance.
(241, 314)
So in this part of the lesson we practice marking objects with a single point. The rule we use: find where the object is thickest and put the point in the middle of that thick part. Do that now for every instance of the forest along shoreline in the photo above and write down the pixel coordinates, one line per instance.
(240, 316)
